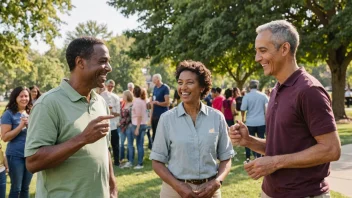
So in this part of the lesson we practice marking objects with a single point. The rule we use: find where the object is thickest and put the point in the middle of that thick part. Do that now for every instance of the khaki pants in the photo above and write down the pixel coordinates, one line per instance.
(325, 195)
(168, 192)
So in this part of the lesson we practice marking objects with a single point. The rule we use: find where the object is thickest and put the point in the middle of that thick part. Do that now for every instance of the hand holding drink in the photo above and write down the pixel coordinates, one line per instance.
(24, 120)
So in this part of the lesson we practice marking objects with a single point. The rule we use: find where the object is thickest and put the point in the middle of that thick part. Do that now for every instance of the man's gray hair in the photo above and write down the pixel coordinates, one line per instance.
(253, 84)
(110, 81)
(282, 31)
(158, 76)
(130, 84)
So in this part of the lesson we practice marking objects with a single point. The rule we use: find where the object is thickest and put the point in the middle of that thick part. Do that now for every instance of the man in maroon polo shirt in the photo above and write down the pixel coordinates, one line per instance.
(301, 136)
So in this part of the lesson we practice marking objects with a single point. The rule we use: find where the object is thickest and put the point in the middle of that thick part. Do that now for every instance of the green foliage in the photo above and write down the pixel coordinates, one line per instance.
(124, 69)
(22, 20)
(89, 28)
(206, 31)
(45, 72)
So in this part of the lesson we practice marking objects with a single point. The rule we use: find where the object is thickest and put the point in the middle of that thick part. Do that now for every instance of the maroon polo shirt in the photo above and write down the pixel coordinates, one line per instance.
(298, 110)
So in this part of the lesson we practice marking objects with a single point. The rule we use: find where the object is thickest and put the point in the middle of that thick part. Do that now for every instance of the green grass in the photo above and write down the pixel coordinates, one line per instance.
(145, 183)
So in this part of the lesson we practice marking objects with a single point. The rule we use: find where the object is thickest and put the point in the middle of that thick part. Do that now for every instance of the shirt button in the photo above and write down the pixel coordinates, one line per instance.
(275, 102)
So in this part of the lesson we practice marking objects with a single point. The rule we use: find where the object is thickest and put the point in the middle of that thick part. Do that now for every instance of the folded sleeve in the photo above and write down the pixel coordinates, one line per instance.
(224, 150)
(42, 129)
(161, 145)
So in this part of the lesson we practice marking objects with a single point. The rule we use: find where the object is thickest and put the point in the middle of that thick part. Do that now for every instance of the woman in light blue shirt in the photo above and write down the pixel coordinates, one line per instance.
(191, 138)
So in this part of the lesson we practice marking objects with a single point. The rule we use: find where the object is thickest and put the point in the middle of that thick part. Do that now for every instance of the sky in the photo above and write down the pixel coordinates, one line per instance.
(97, 10)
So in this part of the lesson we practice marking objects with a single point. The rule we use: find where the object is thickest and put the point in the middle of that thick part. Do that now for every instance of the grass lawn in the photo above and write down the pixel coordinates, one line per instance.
(145, 183)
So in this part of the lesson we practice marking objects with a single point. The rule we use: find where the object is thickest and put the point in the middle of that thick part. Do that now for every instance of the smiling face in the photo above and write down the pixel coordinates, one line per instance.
(267, 55)
(34, 93)
(22, 100)
(97, 67)
(188, 87)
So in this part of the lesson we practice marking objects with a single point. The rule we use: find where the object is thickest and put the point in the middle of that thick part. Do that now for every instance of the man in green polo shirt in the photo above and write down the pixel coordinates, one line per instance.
(66, 141)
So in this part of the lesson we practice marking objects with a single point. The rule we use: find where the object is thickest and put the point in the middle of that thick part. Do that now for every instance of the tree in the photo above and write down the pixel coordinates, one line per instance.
(22, 20)
(89, 28)
(124, 69)
(207, 30)
(200, 30)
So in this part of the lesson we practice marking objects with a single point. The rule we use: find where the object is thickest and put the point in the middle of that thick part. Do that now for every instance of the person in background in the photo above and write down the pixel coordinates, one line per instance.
(348, 97)
(176, 100)
(229, 107)
(191, 138)
(217, 98)
(35, 93)
(268, 92)
(14, 124)
(208, 99)
(126, 129)
(254, 108)
(113, 101)
(149, 136)
(160, 101)
(4, 168)
(139, 122)
(130, 86)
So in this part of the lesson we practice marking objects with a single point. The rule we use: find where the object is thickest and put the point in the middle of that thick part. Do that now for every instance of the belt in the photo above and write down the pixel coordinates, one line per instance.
(197, 181)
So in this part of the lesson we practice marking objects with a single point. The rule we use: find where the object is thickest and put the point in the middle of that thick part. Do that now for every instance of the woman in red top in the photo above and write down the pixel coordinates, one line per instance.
(229, 108)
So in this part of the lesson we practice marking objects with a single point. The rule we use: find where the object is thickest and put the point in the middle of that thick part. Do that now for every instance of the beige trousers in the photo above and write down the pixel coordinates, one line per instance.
(325, 195)
(168, 192)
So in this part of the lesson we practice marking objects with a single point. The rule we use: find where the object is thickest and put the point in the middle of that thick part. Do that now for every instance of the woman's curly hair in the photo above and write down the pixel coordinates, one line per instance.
(204, 75)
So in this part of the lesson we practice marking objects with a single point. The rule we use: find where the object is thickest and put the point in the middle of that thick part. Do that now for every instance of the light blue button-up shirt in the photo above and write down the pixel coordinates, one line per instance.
(191, 151)
(254, 103)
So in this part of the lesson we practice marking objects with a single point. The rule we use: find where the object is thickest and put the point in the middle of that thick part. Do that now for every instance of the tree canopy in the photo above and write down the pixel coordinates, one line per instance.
(222, 33)
(22, 20)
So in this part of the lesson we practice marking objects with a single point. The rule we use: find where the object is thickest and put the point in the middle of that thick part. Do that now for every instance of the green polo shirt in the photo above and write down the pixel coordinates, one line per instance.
(56, 117)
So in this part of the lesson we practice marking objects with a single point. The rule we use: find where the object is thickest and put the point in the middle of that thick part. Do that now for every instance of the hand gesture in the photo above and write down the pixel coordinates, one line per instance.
(239, 134)
(208, 189)
(260, 167)
(96, 129)
(185, 191)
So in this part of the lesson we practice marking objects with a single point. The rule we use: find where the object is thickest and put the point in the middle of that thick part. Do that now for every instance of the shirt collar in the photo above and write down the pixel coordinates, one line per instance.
(290, 81)
(73, 94)
(181, 110)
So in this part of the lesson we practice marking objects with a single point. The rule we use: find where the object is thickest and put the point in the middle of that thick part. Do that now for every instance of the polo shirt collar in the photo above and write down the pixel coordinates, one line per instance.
(181, 110)
(290, 81)
(73, 94)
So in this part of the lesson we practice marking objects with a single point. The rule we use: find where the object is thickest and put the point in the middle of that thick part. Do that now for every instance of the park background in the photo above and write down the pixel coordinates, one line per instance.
(147, 37)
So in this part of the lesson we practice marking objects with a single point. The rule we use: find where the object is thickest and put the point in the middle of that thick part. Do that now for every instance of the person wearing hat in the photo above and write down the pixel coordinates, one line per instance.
(253, 108)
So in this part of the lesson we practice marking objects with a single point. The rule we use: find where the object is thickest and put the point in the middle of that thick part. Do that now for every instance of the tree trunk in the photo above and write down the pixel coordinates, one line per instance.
(338, 82)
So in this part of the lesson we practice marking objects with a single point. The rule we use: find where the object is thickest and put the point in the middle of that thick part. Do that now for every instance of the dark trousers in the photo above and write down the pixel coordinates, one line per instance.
(155, 121)
(3, 184)
(115, 144)
(150, 141)
(258, 131)
(348, 101)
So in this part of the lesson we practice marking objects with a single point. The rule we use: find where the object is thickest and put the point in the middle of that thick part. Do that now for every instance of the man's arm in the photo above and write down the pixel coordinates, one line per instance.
(166, 103)
(327, 149)
(112, 180)
(52, 156)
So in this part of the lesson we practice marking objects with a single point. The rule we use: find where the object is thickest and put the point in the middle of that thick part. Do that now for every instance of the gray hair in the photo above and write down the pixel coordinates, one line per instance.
(253, 84)
(110, 81)
(282, 31)
(157, 76)
(130, 84)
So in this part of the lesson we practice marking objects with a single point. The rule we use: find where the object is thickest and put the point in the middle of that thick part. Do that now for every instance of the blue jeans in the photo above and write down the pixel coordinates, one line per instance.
(20, 177)
(140, 142)
(3, 184)
(130, 149)
(122, 143)
(260, 131)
